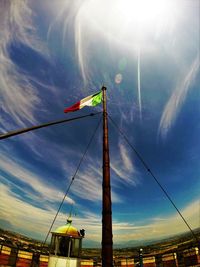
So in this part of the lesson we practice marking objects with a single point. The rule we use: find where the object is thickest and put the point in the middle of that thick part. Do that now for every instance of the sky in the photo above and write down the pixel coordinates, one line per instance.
(147, 54)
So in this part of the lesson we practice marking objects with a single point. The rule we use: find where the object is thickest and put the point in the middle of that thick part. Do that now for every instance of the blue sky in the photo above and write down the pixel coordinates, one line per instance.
(54, 53)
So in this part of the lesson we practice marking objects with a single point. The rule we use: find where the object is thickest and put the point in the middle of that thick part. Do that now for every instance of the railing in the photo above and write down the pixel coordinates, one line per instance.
(12, 256)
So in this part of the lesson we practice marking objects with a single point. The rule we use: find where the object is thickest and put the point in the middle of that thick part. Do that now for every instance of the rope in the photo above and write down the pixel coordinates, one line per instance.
(72, 180)
(154, 177)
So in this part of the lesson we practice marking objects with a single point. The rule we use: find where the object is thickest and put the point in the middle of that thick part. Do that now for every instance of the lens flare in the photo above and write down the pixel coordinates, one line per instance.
(118, 78)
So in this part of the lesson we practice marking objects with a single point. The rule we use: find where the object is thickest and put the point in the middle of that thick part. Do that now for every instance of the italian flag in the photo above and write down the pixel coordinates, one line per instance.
(90, 101)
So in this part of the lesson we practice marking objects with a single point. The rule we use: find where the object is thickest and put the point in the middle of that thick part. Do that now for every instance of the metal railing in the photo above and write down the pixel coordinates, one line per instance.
(14, 256)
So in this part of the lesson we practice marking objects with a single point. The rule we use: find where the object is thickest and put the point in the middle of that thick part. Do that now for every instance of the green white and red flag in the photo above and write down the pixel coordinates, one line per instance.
(91, 101)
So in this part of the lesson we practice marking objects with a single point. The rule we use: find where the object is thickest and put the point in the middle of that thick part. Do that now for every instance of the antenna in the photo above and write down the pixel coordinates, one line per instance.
(69, 219)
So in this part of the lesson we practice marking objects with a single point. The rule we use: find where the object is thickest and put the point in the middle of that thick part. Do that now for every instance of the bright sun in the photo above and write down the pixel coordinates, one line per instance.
(125, 18)
(142, 11)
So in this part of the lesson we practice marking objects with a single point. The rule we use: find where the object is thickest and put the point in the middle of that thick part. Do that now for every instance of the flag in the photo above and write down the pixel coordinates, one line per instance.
(91, 101)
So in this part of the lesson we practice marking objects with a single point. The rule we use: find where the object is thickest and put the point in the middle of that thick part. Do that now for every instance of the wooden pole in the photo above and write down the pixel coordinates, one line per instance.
(21, 131)
(107, 243)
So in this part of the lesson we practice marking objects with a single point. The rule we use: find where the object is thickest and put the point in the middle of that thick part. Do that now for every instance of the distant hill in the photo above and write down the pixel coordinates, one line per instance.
(184, 239)
(17, 235)
(187, 236)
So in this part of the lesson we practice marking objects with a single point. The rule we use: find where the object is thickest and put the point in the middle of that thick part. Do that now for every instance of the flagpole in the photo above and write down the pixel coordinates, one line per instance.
(107, 243)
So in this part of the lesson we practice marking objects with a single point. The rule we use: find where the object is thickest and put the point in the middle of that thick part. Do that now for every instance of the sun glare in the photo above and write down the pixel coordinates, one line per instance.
(123, 19)
(142, 11)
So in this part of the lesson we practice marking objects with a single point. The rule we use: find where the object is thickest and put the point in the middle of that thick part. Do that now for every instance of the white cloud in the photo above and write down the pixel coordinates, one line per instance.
(31, 220)
(35, 221)
(88, 185)
(125, 158)
(18, 96)
(44, 191)
(124, 232)
(177, 98)
(24, 216)
(122, 166)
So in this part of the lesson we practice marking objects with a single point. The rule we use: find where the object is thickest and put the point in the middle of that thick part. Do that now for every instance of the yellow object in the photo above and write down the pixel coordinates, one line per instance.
(6, 250)
(24, 254)
(68, 229)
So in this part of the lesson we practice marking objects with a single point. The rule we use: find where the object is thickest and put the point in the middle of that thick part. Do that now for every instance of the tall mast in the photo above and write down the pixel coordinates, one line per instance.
(107, 243)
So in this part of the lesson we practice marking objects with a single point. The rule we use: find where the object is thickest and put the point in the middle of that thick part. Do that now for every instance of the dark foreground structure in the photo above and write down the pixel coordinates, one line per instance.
(174, 257)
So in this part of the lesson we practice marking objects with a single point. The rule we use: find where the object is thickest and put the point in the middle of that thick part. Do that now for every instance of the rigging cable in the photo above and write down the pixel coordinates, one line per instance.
(154, 177)
(72, 180)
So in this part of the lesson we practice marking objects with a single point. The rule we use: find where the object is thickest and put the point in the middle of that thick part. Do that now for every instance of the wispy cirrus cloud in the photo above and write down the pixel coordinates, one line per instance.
(18, 96)
(177, 98)
(30, 219)
(22, 215)
(88, 185)
(32, 182)
(27, 218)
(71, 16)
(35, 221)
(126, 158)
(123, 167)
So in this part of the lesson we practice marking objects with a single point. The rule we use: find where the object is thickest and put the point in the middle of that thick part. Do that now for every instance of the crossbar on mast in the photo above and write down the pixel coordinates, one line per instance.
(21, 131)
